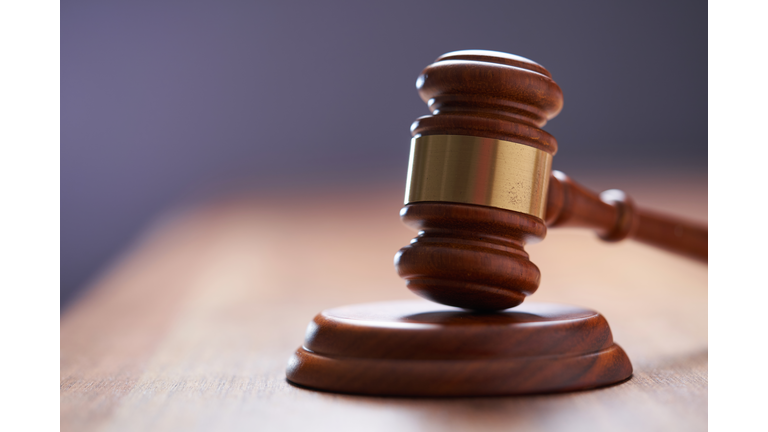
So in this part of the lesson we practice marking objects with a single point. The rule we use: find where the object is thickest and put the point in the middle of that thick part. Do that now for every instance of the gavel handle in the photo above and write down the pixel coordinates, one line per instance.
(614, 217)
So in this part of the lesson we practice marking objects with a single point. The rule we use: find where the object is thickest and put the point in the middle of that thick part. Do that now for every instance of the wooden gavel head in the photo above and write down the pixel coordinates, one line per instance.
(478, 179)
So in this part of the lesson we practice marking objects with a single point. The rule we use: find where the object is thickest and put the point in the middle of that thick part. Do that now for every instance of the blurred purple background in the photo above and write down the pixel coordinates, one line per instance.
(166, 101)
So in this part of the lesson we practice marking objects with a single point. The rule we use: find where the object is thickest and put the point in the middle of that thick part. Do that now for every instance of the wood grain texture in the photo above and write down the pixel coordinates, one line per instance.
(469, 256)
(191, 330)
(419, 348)
(491, 95)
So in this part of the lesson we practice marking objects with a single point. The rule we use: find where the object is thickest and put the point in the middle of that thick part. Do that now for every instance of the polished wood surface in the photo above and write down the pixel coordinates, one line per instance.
(476, 93)
(192, 329)
(469, 256)
(418, 348)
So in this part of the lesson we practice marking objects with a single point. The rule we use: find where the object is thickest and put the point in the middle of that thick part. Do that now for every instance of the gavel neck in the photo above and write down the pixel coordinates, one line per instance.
(614, 217)
(570, 204)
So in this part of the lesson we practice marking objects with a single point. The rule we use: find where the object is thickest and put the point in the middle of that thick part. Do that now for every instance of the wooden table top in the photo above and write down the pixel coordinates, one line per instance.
(191, 330)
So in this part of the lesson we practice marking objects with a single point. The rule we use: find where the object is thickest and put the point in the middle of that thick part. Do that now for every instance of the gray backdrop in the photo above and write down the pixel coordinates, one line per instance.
(162, 101)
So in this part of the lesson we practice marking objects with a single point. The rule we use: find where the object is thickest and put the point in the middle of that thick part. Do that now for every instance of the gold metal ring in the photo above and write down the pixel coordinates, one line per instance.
(483, 171)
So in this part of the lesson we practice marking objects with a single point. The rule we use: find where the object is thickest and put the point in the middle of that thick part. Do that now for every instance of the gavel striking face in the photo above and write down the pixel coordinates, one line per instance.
(480, 186)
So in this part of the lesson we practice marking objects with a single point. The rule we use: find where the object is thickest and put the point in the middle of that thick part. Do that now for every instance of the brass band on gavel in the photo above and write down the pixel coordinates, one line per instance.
(483, 171)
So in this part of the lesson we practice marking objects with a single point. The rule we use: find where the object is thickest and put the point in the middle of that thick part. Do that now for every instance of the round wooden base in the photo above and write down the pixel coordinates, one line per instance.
(418, 348)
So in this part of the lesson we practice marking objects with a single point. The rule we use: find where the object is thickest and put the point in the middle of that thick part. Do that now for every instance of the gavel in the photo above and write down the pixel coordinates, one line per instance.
(480, 186)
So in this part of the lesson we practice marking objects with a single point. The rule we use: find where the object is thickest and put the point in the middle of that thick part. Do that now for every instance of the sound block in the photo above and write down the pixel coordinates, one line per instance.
(418, 348)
